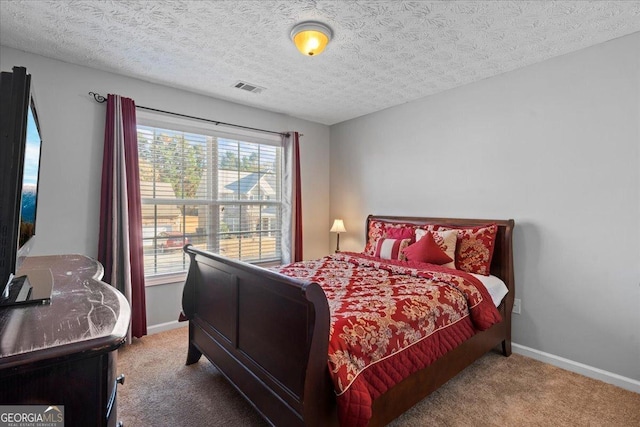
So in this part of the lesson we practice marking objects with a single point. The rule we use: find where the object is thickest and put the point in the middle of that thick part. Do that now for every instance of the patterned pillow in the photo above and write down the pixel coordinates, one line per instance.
(427, 250)
(391, 248)
(475, 246)
(375, 232)
(380, 229)
(446, 239)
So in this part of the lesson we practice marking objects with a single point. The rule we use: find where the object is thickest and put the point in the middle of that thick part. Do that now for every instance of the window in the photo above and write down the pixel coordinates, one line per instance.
(216, 190)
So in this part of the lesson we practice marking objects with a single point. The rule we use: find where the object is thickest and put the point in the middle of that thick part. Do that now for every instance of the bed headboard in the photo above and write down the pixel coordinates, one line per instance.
(502, 261)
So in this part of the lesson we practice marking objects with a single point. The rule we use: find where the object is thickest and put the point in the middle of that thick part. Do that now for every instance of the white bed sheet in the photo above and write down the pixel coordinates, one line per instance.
(496, 287)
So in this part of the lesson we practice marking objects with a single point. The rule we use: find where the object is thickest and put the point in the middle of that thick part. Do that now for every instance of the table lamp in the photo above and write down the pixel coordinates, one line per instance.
(338, 227)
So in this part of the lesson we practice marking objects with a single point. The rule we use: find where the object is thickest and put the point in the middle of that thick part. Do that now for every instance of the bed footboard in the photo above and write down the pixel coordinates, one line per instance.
(266, 333)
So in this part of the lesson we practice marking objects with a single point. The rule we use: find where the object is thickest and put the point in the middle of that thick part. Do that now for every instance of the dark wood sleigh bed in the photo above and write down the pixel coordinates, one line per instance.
(267, 333)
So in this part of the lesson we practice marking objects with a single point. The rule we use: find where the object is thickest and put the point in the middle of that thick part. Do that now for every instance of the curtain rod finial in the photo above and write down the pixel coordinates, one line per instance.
(97, 97)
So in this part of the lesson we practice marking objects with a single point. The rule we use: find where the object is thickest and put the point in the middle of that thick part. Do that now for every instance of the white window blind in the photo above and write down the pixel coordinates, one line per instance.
(216, 190)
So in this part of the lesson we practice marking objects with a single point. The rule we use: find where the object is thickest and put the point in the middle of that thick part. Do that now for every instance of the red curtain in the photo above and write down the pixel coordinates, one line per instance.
(120, 239)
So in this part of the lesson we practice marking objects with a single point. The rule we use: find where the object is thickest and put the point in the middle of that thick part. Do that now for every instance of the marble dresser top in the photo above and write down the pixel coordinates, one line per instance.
(84, 314)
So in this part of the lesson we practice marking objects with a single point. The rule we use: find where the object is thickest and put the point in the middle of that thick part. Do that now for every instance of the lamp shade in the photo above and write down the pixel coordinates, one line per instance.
(338, 226)
(311, 37)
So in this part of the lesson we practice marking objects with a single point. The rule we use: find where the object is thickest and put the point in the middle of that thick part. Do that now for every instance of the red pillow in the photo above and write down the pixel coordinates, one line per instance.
(427, 250)
(400, 233)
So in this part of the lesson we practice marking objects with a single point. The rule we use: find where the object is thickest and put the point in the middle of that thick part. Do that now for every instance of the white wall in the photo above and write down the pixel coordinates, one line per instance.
(556, 146)
(73, 133)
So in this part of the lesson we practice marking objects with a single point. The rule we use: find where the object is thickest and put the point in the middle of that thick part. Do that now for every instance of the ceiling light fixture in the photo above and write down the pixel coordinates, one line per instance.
(311, 37)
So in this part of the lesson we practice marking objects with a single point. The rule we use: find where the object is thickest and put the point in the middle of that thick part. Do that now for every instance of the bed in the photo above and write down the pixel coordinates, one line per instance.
(266, 330)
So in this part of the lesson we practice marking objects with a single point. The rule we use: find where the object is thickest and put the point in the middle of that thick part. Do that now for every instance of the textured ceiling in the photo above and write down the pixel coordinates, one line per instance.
(383, 53)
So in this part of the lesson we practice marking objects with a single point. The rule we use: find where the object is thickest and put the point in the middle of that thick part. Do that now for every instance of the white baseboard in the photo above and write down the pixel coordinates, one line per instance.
(162, 327)
(579, 368)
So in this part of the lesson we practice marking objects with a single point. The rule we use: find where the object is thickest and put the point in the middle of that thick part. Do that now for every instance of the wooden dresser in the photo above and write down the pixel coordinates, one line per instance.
(64, 353)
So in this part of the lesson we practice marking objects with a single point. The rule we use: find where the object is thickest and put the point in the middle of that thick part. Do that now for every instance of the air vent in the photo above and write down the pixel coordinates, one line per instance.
(249, 87)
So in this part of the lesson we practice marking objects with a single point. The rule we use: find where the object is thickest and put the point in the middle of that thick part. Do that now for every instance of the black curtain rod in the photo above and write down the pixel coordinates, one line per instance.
(101, 99)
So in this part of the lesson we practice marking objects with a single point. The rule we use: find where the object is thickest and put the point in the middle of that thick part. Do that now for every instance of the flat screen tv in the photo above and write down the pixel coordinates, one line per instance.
(20, 146)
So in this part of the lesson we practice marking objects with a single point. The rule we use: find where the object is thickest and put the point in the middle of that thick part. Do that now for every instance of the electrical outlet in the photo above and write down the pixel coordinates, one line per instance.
(516, 305)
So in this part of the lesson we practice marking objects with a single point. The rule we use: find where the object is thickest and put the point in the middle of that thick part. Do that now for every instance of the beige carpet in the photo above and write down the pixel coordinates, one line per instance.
(495, 391)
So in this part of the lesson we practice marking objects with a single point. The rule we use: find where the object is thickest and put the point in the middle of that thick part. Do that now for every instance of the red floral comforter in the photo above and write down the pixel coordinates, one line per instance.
(389, 319)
